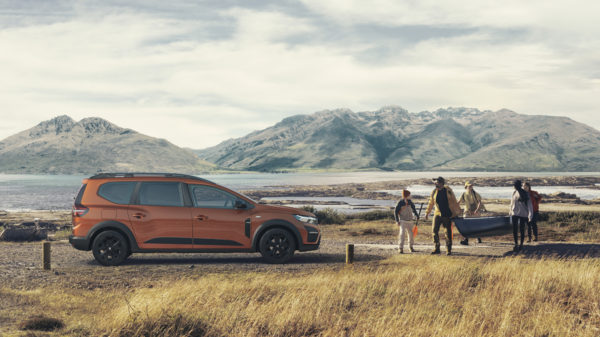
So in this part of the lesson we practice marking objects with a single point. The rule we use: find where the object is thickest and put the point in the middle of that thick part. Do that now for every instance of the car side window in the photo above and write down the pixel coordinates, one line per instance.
(117, 192)
(210, 197)
(161, 194)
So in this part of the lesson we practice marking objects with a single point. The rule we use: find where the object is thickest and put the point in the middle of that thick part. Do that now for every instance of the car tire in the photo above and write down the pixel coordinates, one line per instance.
(277, 245)
(110, 248)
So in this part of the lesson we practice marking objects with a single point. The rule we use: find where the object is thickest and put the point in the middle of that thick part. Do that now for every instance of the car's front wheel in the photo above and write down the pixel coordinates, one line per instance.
(277, 245)
(110, 248)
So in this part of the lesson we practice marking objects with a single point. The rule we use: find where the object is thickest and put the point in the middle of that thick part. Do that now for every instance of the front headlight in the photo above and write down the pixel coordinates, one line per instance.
(306, 219)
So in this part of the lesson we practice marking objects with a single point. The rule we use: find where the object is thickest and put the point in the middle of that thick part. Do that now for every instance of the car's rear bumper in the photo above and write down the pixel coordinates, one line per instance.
(79, 242)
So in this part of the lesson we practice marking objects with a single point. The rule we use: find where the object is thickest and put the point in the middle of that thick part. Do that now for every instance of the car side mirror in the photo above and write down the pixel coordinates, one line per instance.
(240, 204)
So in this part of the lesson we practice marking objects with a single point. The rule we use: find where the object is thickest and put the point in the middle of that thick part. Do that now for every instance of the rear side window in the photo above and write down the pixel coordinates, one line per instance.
(117, 192)
(161, 194)
(210, 197)
(80, 194)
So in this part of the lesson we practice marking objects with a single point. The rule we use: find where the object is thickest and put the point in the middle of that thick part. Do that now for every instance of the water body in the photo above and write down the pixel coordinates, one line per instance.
(504, 192)
(57, 192)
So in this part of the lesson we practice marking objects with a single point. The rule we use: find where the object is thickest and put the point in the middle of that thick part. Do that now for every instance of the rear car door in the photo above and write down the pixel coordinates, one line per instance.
(221, 219)
(160, 217)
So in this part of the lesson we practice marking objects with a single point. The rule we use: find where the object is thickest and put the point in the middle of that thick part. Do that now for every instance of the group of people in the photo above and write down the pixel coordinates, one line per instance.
(524, 212)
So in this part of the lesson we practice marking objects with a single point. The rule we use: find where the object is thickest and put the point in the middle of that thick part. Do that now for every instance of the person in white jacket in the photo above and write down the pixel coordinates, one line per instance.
(521, 211)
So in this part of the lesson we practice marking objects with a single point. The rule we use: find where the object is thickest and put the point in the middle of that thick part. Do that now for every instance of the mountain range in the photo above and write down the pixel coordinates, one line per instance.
(63, 146)
(392, 138)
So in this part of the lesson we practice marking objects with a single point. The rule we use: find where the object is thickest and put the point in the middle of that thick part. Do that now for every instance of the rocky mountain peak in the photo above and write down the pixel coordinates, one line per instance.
(61, 145)
(453, 112)
(55, 125)
(96, 125)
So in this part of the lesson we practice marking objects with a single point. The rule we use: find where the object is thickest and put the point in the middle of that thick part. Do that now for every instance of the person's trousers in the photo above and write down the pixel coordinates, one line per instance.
(519, 224)
(406, 228)
(532, 225)
(438, 221)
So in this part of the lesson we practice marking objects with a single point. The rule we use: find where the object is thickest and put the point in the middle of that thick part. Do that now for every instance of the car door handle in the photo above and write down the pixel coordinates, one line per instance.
(200, 217)
(138, 215)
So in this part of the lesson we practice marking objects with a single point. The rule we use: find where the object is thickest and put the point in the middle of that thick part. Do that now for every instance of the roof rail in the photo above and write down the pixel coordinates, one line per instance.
(145, 174)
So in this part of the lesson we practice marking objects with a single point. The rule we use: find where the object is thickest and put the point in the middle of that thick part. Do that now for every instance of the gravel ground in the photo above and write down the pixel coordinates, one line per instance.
(20, 263)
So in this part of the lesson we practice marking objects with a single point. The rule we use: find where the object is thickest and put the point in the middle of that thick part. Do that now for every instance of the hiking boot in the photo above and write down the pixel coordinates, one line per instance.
(449, 252)
(478, 240)
(529, 240)
(412, 250)
(435, 252)
(401, 250)
(516, 248)
(535, 239)
(465, 242)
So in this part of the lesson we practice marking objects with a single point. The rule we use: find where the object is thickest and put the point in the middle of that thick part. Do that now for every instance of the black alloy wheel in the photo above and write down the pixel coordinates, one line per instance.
(110, 248)
(277, 245)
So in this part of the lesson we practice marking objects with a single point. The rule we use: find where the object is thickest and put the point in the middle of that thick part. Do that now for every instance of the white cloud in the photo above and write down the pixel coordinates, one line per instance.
(467, 13)
(163, 76)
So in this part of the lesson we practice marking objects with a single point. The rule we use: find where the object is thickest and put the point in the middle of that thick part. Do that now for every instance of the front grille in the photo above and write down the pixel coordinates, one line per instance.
(312, 237)
(313, 233)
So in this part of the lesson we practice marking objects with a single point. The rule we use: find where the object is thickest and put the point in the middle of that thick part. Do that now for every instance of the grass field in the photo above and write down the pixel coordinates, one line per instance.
(410, 295)
(404, 295)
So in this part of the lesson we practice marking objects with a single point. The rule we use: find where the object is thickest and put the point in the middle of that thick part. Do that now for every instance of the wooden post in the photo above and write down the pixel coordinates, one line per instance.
(46, 255)
(349, 253)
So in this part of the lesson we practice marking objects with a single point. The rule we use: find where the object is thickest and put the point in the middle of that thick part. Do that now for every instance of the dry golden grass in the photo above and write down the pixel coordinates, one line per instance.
(405, 295)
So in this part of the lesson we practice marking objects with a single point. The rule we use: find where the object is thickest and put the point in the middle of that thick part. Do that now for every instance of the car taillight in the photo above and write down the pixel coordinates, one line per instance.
(79, 210)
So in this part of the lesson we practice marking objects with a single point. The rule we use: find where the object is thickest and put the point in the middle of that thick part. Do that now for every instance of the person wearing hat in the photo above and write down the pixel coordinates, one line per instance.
(404, 219)
(473, 205)
(446, 207)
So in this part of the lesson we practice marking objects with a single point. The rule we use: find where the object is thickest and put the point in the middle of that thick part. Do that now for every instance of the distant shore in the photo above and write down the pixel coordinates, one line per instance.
(373, 190)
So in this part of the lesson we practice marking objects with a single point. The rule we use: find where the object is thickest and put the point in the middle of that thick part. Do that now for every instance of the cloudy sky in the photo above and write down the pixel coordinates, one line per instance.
(199, 72)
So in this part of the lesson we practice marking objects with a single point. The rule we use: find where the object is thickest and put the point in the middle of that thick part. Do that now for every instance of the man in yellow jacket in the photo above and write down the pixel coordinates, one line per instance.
(446, 207)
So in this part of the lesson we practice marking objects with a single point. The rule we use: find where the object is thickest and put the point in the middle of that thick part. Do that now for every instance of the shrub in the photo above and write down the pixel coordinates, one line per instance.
(373, 215)
(571, 218)
(41, 323)
(327, 216)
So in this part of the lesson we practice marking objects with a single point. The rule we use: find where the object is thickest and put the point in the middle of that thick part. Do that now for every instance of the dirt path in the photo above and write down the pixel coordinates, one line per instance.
(20, 263)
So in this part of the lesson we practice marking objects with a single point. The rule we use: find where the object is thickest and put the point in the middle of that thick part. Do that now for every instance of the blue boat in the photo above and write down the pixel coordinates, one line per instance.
(484, 226)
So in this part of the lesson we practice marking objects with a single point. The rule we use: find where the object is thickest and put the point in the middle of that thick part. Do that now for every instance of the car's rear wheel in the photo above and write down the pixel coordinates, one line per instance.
(277, 245)
(110, 248)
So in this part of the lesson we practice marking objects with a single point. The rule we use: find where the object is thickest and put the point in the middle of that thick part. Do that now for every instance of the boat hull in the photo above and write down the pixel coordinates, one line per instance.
(483, 227)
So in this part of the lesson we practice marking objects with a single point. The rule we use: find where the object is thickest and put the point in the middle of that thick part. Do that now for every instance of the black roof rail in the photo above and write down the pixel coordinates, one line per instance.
(145, 174)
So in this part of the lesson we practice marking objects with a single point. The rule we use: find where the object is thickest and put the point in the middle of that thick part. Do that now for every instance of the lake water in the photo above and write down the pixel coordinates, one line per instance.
(57, 192)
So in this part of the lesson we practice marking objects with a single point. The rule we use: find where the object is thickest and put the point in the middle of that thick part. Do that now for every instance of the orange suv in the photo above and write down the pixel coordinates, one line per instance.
(117, 214)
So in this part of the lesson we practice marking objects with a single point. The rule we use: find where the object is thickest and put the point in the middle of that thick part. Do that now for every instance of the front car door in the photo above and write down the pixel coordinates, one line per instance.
(218, 223)
(159, 216)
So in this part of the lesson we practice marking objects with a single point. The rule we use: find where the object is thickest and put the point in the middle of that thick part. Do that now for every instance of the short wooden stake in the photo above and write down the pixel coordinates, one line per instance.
(349, 253)
(46, 255)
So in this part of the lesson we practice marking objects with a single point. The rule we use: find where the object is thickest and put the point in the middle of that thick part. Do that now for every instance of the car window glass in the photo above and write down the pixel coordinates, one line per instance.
(117, 192)
(160, 194)
(80, 194)
(210, 197)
